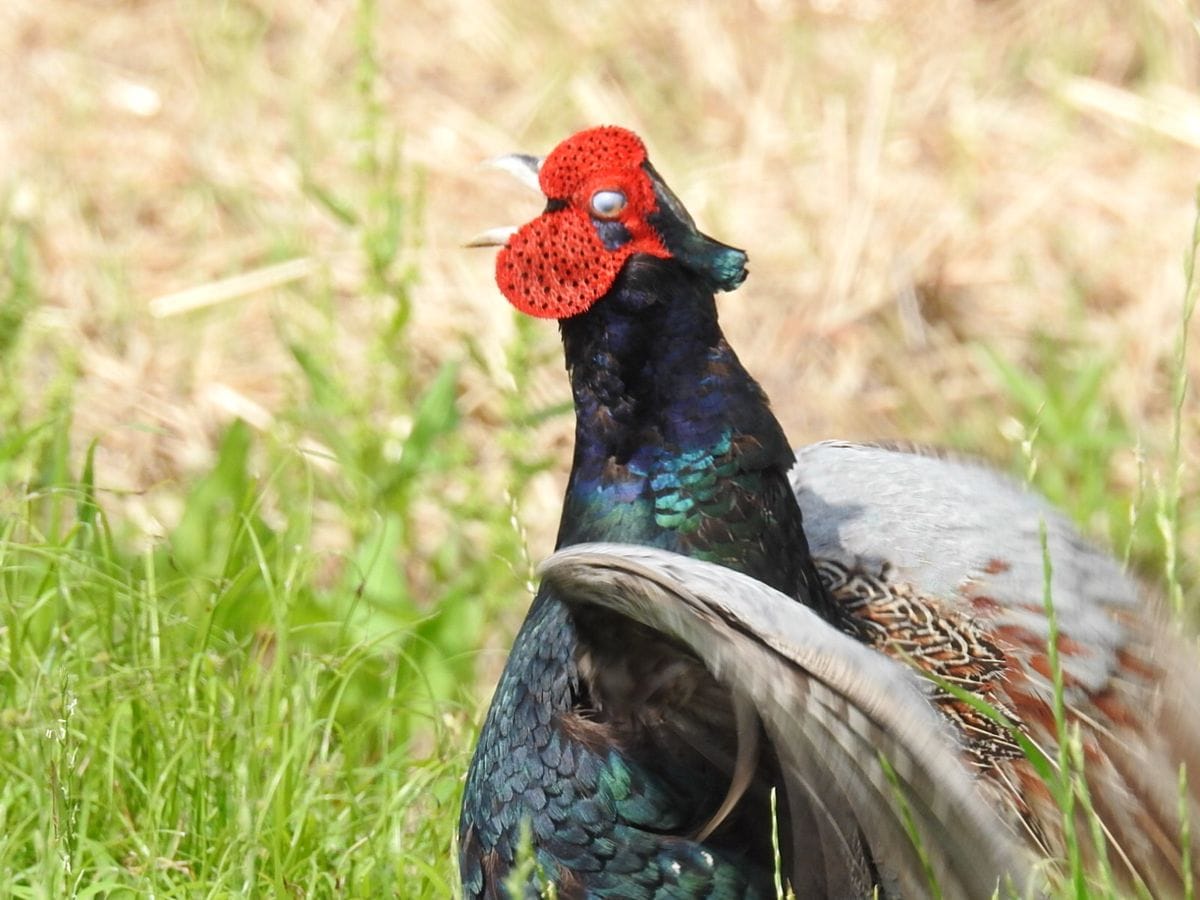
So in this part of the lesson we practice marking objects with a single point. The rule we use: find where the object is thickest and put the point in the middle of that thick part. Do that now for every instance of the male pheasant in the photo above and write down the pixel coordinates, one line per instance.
(727, 625)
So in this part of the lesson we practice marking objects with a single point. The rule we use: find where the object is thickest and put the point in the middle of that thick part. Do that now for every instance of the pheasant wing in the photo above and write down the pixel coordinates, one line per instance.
(942, 559)
(864, 758)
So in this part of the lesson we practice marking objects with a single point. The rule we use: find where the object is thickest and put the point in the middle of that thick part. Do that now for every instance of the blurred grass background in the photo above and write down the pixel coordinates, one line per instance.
(275, 456)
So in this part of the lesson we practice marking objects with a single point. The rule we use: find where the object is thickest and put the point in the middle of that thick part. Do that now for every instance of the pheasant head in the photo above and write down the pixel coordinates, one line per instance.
(605, 205)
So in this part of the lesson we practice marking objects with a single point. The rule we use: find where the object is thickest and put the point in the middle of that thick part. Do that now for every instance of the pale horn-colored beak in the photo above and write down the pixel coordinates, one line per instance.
(524, 168)
(521, 166)
(493, 237)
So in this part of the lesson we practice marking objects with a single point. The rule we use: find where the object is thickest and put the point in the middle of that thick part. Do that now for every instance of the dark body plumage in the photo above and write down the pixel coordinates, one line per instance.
(675, 448)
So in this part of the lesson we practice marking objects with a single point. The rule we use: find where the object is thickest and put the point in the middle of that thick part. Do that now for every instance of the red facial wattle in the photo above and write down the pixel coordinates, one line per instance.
(580, 157)
(557, 266)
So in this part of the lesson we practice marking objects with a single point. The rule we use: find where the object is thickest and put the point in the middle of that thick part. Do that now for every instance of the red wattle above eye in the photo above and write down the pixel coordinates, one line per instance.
(584, 154)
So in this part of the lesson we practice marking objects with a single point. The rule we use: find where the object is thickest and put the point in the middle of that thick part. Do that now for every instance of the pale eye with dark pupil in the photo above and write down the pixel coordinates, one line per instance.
(607, 204)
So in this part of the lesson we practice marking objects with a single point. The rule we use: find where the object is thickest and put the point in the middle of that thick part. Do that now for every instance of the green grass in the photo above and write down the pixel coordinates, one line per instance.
(146, 747)
(236, 708)
(206, 716)
(225, 711)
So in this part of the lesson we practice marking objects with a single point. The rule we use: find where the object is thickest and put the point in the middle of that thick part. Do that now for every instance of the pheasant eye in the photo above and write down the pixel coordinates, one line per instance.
(607, 204)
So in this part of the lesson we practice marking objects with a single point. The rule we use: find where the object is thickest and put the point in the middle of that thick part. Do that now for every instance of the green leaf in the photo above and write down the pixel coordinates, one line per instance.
(436, 415)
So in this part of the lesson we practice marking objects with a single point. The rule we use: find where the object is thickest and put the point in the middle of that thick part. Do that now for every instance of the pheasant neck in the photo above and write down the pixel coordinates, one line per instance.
(675, 443)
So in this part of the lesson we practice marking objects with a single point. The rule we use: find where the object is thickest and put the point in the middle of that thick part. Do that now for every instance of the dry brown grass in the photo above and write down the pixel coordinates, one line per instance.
(910, 179)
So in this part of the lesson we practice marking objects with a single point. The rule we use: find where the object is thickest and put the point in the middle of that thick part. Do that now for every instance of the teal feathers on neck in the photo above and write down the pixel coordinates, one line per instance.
(687, 487)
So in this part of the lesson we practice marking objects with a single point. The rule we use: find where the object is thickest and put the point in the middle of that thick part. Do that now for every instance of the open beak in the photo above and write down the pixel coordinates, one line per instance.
(524, 168)
(493, 237)
(521, 166)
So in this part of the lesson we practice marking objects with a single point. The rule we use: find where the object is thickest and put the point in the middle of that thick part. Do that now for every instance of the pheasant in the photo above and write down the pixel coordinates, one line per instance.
(842, 653)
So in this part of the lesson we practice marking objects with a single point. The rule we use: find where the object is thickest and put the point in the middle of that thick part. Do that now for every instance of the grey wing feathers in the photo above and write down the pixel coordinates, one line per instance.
(956, 530)
(968, 536)
(831, 708)
(943, 520)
